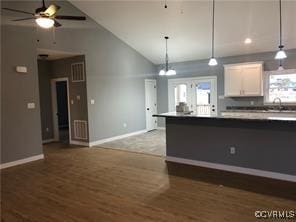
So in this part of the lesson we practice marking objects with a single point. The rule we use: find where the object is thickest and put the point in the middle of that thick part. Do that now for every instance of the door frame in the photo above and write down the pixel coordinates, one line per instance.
(190, 80)
(150, 81)
(55, 123)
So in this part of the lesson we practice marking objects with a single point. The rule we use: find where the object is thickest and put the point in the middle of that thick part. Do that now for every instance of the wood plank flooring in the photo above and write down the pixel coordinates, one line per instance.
(83, 184)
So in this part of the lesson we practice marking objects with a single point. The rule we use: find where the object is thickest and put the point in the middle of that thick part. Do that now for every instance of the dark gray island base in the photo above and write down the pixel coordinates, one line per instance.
(263, 147)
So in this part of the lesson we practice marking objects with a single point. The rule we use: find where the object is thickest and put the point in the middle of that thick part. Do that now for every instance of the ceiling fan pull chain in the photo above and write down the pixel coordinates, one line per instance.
(54, 35)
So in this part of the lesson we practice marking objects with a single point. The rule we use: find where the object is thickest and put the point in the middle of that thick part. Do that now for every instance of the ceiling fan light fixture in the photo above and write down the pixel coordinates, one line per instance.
(213, 62)
(45, 23)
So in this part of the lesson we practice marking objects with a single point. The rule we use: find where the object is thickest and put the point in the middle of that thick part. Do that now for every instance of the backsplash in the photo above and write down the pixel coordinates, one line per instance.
(269, 107)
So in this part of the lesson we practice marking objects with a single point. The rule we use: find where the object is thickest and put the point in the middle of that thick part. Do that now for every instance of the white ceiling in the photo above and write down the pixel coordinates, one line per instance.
(143, 24)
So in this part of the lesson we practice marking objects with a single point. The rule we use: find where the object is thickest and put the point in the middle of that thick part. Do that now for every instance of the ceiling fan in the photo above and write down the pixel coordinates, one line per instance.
(46, 17)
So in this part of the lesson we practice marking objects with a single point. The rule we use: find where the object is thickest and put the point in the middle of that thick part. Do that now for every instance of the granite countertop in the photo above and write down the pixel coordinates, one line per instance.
(247, 118)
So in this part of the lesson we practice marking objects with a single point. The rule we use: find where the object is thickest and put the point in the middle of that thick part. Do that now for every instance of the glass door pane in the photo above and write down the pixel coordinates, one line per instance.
(203, 98)
(180, 94)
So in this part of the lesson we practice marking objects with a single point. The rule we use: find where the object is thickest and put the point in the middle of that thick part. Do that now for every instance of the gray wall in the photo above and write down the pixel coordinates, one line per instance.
(115, 78)
(115, 71)
(58, 69)
(201, 68)
(259, 144)
(44, 72)
(21, 127)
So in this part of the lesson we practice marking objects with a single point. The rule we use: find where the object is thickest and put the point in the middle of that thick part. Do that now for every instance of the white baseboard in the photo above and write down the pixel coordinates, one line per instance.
(79, 143)
(160, 128)
(235, 169)
(98, 142)
(48, 141)
(22, 161)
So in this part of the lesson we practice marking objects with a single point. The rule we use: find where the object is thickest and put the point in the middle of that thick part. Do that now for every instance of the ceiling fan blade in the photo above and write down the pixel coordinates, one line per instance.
(69, 17)
(20, 11)
(52, 10)
(57, 24)
(22, 19)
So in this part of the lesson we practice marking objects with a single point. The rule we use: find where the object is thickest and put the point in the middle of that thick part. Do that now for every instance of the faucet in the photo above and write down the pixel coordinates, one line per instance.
(280, 102)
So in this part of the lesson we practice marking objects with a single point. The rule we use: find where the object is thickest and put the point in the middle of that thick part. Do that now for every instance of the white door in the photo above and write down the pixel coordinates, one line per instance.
(200, 94)
(205, 97)
(151, 104)
(179, 91)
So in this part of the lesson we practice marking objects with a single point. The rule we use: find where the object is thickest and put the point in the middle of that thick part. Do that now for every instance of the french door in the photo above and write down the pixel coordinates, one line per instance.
(199, 93)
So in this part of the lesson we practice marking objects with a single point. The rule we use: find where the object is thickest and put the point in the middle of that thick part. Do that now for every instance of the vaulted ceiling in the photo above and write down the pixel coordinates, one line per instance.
(143, 24)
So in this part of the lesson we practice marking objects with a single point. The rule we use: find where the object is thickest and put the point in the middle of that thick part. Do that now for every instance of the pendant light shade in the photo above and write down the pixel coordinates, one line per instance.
(213, 61)
(281, 53)
(167, 71)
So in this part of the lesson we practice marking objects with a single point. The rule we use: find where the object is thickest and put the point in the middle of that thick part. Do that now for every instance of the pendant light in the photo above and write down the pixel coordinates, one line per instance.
(281, 53)
(167, 71)
(213, 61)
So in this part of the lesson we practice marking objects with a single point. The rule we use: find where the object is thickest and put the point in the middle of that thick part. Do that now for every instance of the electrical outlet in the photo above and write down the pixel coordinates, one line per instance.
(124, 125)
(232, 150)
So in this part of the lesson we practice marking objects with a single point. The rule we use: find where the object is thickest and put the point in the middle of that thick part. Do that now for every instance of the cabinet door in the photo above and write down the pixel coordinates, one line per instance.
(252, 80)
(233, 81)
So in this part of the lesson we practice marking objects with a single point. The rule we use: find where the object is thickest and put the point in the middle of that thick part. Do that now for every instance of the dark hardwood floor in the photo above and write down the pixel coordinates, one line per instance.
(93, 184)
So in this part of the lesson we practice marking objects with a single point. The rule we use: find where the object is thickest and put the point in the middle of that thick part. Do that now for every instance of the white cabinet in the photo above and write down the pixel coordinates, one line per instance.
(243, 80)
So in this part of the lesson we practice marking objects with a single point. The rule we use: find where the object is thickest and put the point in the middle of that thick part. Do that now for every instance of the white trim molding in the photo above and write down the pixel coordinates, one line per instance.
(79, 143)
(160, 128)
(48, 141)
(243, 170)
(98, 142)
(21, 161)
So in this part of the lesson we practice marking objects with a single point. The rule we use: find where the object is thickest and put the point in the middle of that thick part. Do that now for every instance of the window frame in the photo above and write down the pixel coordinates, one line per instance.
(266, 84)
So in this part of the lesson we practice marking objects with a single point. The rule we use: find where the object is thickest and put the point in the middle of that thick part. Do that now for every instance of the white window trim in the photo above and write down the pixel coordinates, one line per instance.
(266, 84)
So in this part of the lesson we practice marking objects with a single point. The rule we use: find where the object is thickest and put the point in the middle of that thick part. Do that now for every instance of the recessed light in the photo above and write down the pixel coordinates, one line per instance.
(248, 41)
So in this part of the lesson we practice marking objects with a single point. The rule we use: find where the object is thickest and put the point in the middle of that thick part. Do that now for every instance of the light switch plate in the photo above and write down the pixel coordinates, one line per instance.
(72, 101)
(78, 97)
(92, 101)
(21, 69)
(31, 105)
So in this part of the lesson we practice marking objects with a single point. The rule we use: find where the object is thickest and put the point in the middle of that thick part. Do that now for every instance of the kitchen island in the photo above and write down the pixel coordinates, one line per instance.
(264, 146)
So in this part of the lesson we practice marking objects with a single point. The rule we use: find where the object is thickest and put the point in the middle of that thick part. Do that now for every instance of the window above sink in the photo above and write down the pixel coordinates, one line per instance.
(280, 85)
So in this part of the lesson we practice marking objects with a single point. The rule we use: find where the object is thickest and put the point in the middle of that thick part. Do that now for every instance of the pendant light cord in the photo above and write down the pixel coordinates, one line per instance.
(213, 26)
(280, 2)
(166, 54)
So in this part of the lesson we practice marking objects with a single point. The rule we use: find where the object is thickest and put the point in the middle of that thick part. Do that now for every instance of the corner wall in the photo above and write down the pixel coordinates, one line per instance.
(78, 109)
(21, 127)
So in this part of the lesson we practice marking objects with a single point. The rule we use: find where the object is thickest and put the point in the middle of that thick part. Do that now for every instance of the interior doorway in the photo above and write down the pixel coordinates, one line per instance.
(200, 94)
(61, 109)
(150, 104)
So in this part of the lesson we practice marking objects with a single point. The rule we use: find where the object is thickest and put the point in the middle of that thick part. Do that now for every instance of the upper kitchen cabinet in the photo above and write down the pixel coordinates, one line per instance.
(243, 80)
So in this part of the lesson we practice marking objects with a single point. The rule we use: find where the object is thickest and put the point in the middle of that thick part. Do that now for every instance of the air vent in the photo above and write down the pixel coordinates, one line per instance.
(77, 72)
(80, 129)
